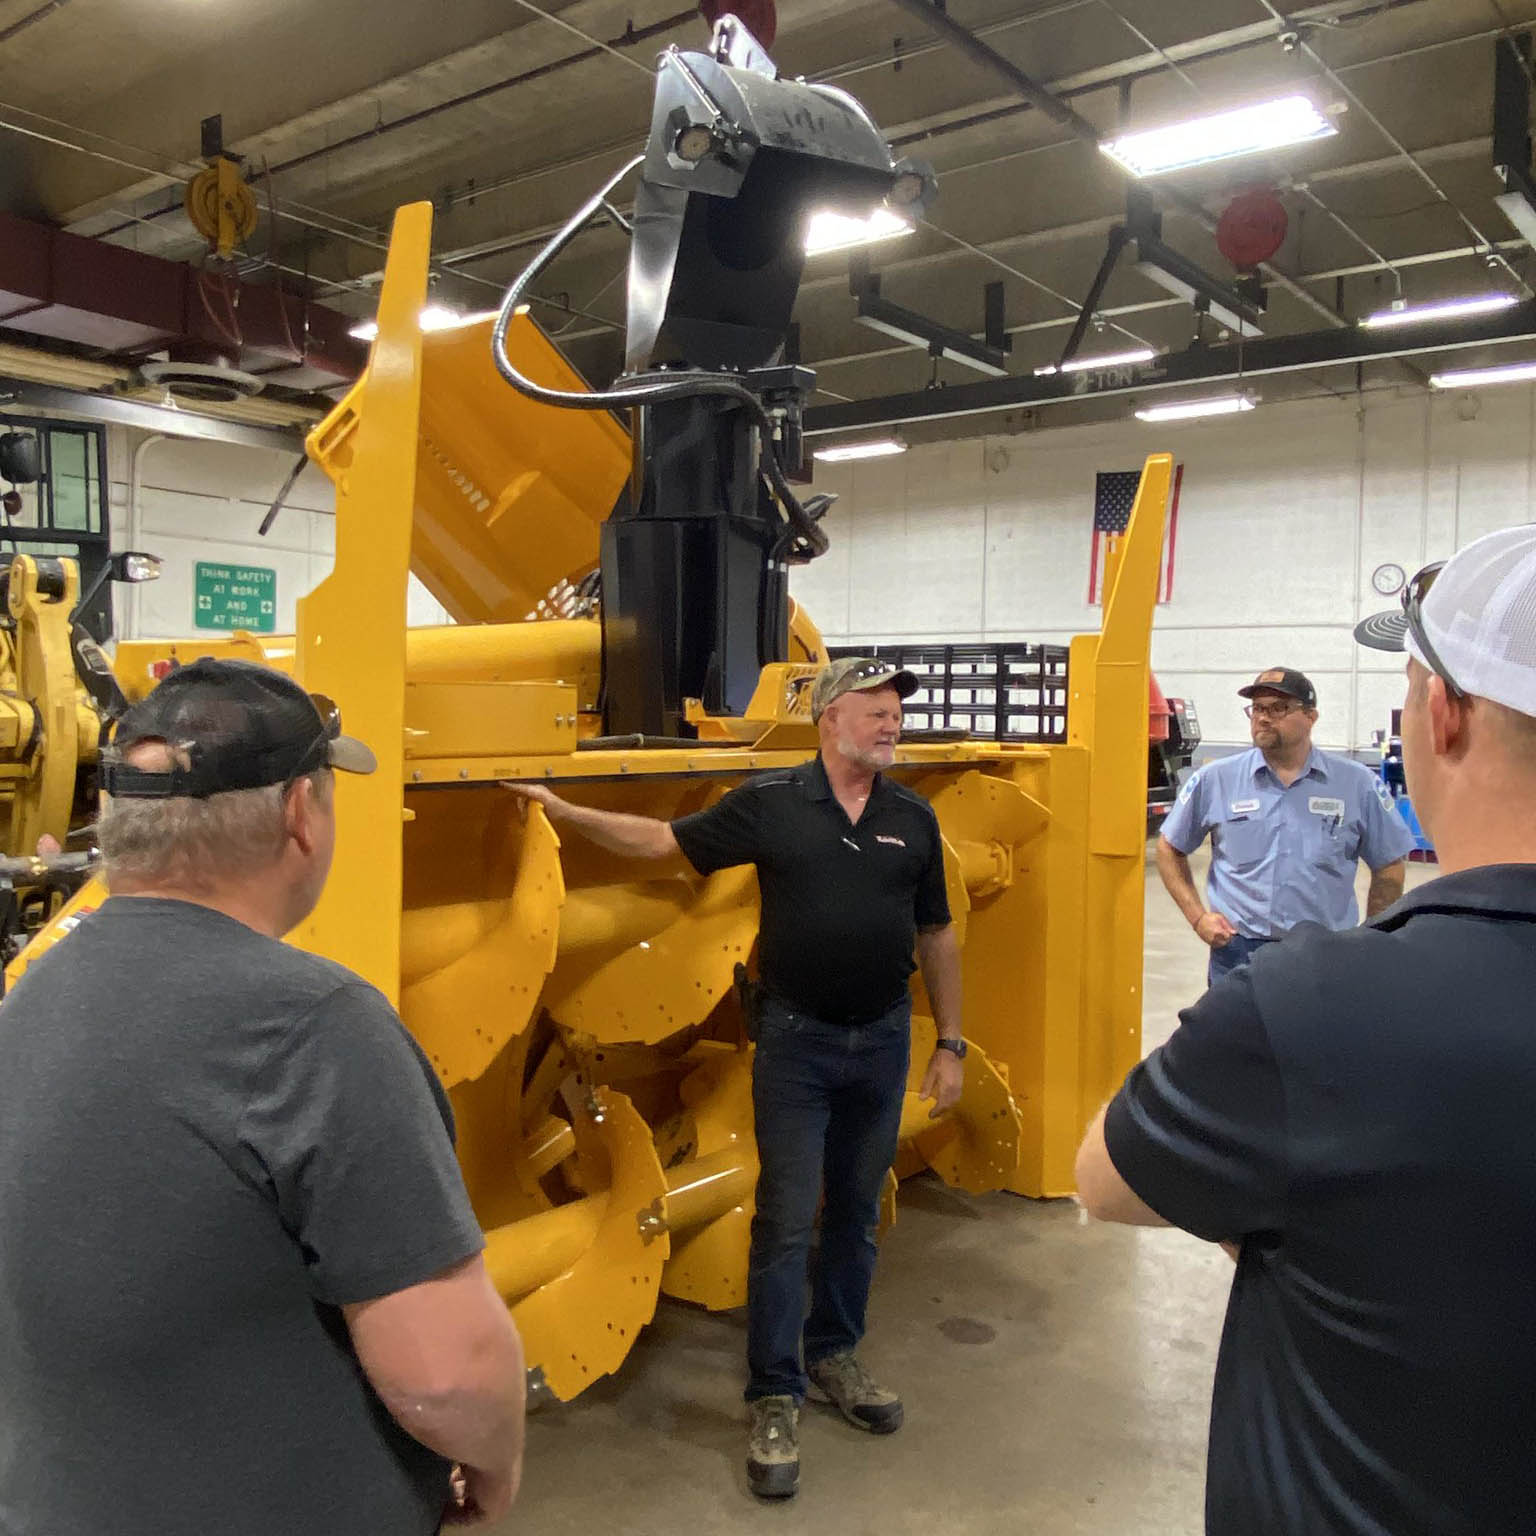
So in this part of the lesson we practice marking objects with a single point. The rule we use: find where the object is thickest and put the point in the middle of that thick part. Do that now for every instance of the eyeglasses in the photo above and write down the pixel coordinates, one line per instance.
(330, 714)
(315, 755)
(1276, 711)
(1414, 593)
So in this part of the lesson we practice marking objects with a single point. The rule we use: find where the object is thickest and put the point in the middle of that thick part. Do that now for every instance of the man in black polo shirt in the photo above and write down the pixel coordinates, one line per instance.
(1353, 1115)
(851, 870)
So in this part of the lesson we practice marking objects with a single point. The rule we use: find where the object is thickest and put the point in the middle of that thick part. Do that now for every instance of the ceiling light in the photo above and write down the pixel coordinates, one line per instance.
(433, 317)
(1466, 378)
(875, 448)
(1448, 309)
(1106, 360)
(1516, 207)
(1246, 131)
(829, 231)
(1187, 410)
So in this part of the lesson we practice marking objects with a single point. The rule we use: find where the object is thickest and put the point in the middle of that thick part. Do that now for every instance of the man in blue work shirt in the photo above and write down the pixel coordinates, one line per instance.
(1288, 825)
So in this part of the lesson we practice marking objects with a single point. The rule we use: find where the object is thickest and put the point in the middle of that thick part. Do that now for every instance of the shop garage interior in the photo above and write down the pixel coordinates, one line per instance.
(197, 200)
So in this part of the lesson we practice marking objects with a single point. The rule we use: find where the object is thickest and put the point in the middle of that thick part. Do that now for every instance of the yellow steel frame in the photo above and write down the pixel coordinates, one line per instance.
(343, 650)
(48, 727)
(580, 1010)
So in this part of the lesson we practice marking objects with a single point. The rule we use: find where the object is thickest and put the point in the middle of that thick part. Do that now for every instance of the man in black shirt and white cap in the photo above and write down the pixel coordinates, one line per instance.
(850, 865)
(1352, 1113)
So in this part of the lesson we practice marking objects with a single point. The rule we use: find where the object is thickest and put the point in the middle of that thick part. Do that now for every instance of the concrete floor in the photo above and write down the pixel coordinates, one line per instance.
(1056, 1376)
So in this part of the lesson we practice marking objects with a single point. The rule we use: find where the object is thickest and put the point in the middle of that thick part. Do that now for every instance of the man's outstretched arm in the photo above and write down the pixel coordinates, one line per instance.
(634, 837)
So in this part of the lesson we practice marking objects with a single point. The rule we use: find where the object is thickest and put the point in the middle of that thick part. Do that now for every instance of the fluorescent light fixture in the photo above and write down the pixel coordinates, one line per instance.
(831, 231)
(1223, 136)
(433, 317)
(1106, 360)
(1187, 410)
(874, 448)
(1467, 378)
(1516, 207)
(1448, 309)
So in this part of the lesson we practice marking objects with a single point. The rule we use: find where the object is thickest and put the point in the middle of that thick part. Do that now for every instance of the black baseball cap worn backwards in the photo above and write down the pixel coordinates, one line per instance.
(239, 725)
(1286, 680)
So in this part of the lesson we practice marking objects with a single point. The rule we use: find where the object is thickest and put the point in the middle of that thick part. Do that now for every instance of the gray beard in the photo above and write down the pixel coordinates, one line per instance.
(865, 760)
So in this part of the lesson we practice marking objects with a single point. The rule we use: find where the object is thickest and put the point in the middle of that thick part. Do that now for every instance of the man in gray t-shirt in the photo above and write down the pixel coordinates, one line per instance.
(241, 1288)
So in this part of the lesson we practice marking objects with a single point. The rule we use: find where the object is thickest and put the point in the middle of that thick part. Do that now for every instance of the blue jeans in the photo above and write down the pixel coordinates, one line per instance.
(1232, 956)
(827, 1102)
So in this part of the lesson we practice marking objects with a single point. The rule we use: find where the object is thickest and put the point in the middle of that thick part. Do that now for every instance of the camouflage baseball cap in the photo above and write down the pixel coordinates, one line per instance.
(856, 674)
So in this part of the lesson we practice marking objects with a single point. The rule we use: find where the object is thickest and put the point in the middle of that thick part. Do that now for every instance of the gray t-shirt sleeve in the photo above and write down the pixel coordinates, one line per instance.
(354, 1135)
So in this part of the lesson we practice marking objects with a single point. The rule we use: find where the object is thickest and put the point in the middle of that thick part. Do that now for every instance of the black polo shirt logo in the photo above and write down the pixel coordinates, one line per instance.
(895, 842)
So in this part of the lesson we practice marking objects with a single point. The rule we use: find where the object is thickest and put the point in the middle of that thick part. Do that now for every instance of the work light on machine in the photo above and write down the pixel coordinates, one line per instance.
(831, 231)
(133, 565)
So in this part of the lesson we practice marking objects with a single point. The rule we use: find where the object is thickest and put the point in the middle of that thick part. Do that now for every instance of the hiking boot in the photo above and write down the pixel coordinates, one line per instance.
(773, 1447)
(843, 1382)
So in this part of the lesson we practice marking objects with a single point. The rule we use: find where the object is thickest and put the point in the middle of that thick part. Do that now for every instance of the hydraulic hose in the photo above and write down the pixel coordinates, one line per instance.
(809, 539)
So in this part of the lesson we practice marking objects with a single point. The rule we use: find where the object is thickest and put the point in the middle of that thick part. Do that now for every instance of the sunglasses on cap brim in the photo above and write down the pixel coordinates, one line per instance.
(331, 748)
(1388, 631)
(1415, 590)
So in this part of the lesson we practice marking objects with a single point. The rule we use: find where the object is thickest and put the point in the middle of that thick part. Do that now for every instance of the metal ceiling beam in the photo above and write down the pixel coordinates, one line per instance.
(1101, 227)
(1058, 111)
(31, 19)
(1197, 365)
(632, 35)
(1397, 144)
(1123, 72)
(1147, 306)
(1211, 46)
(1067, 86)
(963, 40)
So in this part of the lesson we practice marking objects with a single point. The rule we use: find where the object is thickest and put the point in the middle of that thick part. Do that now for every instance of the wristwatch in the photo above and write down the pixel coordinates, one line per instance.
(957, 1047)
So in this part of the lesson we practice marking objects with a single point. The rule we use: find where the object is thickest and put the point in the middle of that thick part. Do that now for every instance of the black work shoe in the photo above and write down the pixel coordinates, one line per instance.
(773, 1446)
(843, 1382)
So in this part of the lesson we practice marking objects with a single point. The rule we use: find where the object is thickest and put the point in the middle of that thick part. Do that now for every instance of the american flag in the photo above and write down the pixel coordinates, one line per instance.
(1114, 496)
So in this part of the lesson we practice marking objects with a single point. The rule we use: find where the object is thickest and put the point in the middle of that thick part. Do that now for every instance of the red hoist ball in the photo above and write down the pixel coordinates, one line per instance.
(1252, 229)
(759, 17)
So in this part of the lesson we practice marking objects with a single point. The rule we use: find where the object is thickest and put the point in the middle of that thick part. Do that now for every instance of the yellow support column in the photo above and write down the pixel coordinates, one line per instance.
(1111, 716)
(351, 628)
(45, 689)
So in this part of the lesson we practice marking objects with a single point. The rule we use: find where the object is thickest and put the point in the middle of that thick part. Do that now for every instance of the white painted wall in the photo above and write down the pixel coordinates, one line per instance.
(1285, 513)
(187, 501)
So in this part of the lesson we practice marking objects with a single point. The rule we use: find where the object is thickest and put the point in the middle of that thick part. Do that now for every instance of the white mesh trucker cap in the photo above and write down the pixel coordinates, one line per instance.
(1479, 616)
